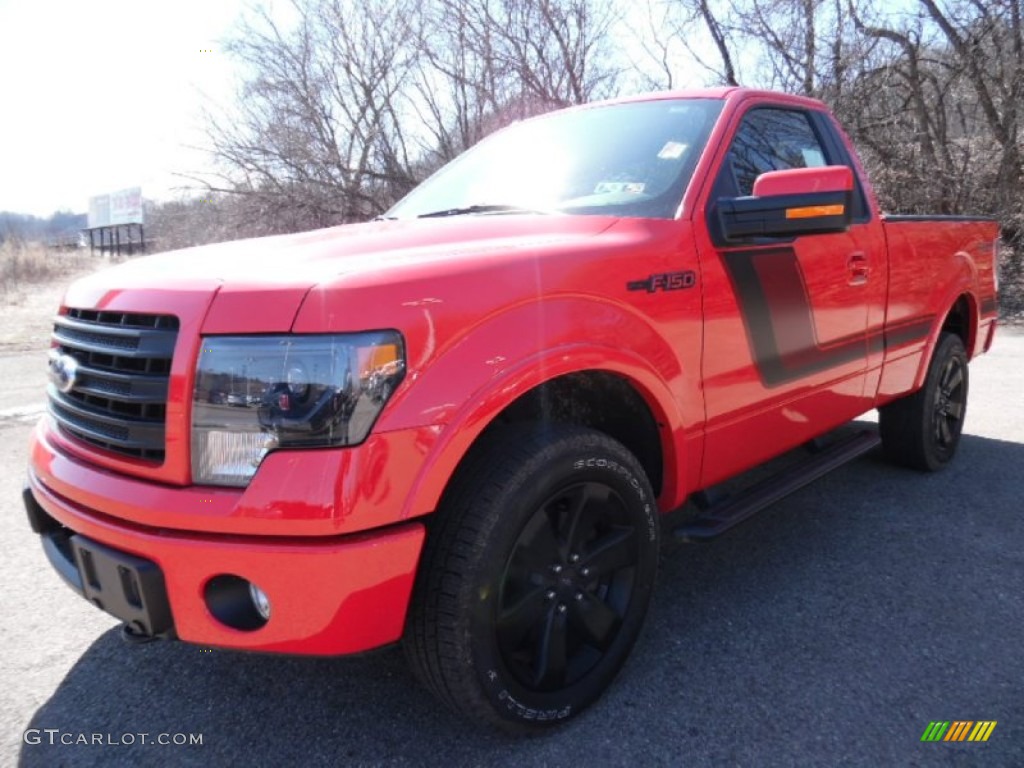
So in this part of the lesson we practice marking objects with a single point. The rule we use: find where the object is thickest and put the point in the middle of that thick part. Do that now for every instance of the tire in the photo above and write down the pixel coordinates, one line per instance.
(535, 578)
(922, 430)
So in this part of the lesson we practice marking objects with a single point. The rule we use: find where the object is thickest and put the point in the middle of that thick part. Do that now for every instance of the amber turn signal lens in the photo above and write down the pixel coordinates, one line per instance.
(814, 211)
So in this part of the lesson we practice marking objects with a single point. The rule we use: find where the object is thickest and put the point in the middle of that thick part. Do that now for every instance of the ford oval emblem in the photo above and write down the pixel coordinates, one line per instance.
(63, 371)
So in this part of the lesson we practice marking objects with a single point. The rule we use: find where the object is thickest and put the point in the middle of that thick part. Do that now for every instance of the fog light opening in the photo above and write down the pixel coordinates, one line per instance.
(237, 602)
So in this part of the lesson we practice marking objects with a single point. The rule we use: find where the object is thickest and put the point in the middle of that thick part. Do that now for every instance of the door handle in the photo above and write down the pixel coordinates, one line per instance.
(859, 269)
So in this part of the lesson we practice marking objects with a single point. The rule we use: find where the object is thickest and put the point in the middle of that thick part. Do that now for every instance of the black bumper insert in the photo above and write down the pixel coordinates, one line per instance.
(127, 587)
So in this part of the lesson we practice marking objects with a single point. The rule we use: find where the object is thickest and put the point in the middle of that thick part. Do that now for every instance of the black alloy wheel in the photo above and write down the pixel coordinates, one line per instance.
(922, 430)
(950, 403)
(567, 586)
(535, 578)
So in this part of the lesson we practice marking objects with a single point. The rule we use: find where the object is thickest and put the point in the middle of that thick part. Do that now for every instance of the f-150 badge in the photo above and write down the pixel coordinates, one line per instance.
(664, 281)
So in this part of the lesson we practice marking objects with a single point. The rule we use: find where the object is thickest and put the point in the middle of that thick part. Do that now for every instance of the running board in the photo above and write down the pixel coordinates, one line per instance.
(733, 510)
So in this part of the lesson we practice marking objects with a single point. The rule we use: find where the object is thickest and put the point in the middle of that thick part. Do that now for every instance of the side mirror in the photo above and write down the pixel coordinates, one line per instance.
(799, 201)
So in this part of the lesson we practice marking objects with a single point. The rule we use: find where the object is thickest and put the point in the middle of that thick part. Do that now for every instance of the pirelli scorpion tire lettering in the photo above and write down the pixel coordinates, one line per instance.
(536, 576)
(922, 430)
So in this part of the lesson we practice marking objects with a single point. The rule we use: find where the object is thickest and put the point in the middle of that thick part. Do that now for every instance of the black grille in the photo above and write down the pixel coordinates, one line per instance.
(119, 397)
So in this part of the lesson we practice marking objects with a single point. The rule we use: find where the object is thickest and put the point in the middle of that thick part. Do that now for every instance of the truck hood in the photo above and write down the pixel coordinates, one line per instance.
(277, 272)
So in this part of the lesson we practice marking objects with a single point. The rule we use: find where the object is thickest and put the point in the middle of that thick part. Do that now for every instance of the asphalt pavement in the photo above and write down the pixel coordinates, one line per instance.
(829, 630)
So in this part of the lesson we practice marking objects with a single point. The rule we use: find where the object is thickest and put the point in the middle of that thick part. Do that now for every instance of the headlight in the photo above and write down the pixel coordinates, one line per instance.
(257, 393)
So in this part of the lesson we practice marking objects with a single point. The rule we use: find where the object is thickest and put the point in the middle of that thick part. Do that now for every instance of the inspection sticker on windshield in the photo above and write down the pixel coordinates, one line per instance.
(672, 150)
(610, 187)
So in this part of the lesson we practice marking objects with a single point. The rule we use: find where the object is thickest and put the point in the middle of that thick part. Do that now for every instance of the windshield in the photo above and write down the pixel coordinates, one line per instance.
(632, 159)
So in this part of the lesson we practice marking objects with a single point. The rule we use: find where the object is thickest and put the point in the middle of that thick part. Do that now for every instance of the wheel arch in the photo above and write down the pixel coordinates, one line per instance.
(599, 400)
(962, 317)
(603, 389)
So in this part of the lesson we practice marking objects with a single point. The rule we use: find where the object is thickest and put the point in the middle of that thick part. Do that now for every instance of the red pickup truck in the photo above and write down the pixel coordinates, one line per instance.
(461, 425)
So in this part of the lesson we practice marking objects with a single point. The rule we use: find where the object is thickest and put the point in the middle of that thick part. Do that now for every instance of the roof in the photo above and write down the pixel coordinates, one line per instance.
(730, 93)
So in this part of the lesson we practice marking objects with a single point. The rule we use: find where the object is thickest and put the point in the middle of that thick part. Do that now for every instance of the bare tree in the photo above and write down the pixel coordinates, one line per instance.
(939, 108)
(315, 137)
(988, 42)
(459, 82)
(676, 34)
(555, 52)
(347, 108)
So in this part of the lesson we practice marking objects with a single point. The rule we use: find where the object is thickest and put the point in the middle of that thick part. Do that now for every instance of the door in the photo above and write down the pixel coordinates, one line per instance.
(786, 319)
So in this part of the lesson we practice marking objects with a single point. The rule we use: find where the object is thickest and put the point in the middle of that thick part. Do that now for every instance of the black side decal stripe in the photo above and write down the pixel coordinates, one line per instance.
(908, 331)
(779, 320)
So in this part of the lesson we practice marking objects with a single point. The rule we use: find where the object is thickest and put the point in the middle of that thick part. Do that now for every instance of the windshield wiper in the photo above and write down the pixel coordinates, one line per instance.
(477, 209)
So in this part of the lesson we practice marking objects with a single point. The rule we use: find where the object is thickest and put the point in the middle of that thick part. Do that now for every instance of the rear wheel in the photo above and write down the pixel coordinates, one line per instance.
(536, 577)
(922, 430)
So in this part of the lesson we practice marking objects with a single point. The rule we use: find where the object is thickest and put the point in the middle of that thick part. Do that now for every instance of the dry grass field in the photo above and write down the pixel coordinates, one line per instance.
(32, 281)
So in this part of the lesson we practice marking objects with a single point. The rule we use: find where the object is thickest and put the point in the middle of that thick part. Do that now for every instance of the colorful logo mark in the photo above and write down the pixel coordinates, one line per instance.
(958, 730)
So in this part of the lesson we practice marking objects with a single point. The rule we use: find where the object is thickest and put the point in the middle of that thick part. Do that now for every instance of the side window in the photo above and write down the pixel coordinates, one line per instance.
(772, 140)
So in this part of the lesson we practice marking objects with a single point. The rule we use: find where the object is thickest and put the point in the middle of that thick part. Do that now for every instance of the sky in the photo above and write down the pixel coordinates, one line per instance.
(100, 95)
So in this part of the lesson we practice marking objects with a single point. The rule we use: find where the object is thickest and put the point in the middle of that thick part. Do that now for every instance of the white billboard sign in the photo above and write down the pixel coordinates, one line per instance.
(121, 207)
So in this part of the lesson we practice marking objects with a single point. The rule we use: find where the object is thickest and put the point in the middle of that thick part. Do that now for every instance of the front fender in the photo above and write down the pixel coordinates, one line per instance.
(477, 412)
(493, 363)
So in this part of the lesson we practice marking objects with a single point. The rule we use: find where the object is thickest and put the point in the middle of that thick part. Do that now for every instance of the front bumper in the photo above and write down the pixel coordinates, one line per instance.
(329, 595)
(295, 493)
